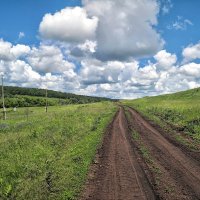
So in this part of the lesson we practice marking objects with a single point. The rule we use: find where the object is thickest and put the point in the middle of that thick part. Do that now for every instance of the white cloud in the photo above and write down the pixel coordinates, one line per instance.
(14, 63)
(191, 52)
(129, 80)
(20, 50)
(166, 6)
(88, 46)
(5, 48)
(165, 59)
(48, 65)
(191, 69)
(180, 24)
(125, 28)
(69, 24)
(120, 30)
(22, 72)
(10, 52)
(49, 58)
(21, 35)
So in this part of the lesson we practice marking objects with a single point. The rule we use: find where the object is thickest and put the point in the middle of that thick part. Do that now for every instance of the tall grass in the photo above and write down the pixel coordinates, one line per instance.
(47, 155)
(181, 110)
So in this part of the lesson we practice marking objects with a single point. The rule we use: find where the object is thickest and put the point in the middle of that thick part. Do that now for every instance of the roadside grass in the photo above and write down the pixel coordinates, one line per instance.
(178, 111)
(135, 135)
(47, 155)
(156, 175)
(145, 153)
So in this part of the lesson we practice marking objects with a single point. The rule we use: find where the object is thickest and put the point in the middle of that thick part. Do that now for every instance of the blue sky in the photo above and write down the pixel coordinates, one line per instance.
(25, 16)
(133, 49)
(177, 39)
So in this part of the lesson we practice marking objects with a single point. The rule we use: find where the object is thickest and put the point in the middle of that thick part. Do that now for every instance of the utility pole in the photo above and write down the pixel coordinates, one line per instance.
(46, 100)
(3, 101)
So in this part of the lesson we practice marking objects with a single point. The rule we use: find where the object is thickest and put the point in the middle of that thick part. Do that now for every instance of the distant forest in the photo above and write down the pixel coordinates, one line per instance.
(27, 97)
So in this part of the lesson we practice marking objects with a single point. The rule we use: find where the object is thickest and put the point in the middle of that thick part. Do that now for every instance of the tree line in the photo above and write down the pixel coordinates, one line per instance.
(27, 97)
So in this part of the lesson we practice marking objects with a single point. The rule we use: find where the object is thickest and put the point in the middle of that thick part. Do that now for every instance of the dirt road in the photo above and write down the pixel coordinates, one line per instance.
(178, 170)
(119, 172)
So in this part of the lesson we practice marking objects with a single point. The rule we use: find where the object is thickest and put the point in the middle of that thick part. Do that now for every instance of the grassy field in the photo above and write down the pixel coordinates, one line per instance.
(181, 110)
(47, 155)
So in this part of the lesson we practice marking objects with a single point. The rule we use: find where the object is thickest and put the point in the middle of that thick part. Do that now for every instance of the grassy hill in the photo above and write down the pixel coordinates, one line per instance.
(193, 94)
(181, 110)
(28, 97)
(47, 156)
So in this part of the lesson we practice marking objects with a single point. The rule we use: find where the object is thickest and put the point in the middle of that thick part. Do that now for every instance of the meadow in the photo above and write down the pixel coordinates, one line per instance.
(47, 155)
(180, 111)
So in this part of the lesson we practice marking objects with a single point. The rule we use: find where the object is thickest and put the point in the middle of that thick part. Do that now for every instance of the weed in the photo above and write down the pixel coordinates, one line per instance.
(180, 111)
(135, 135)
(48, 156)
(145, 153)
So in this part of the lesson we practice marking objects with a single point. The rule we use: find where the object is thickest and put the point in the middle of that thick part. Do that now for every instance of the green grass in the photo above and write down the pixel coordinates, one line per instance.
(135, 135)
(47, 155)
(181, 110)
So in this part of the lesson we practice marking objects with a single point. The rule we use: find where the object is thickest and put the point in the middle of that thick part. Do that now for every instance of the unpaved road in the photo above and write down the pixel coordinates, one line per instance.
(183, 171)
(117, 173)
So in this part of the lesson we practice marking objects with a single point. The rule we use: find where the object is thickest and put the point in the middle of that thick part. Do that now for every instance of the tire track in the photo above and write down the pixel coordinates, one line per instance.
(182, 169)
(117, 174)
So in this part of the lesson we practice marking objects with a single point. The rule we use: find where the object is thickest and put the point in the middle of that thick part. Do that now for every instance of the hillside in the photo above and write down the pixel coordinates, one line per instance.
(184, 95)
(24, 97)
(180, 110)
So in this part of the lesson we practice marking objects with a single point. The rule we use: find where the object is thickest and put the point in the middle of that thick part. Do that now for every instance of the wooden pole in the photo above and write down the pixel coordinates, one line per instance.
(3, 101)
(46, 101)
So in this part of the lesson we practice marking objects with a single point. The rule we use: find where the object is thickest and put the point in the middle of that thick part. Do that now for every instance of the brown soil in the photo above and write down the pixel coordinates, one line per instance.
(120, 171)
(169, 133)
(116, 174)
(180, 173)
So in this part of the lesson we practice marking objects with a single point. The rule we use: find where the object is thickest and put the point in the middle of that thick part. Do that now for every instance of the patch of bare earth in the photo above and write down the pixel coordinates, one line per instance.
(116, 173)
(178, 174)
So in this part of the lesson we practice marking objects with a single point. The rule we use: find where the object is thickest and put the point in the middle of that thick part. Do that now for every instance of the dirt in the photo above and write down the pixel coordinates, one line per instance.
(120, 172)
(180, 173)
(170, 136)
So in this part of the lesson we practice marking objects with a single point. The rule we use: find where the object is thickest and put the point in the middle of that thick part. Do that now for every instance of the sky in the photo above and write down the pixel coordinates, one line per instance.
(110, 48)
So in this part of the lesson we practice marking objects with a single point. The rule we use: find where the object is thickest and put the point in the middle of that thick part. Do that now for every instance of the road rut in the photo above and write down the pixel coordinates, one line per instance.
(117, 175)
(183, 169)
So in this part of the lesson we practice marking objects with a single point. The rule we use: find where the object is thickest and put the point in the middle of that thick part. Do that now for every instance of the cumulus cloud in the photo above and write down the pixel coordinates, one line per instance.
(165, 59)
(129, 80)
(20, 50)
(83, 50)
(96, 72)
(49, 58)
(9, 52)
(5, 48)
(69, 25)
(20, 71)
(48, 66)
(105, 38)
(191, 52)
(125, 28)
(120, 29)
(191, 69)
(40, 67)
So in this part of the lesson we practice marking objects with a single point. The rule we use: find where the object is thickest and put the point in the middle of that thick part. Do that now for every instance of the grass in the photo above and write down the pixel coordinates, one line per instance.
(180, 110)
(47, 155)
(135, 135)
